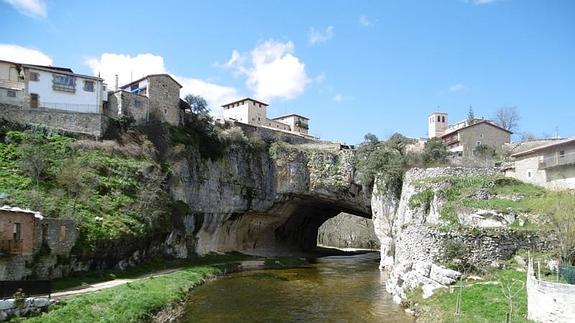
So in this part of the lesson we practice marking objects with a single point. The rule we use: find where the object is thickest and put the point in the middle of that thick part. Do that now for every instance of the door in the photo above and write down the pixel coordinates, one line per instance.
(34, 100)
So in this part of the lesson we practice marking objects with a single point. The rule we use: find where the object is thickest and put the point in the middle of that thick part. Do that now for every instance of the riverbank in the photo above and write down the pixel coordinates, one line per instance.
(142, 299)
(484, 298)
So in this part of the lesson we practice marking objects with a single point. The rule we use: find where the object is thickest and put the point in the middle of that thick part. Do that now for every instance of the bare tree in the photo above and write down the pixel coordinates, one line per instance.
(507, 118)
(511, 289)
(563, 223)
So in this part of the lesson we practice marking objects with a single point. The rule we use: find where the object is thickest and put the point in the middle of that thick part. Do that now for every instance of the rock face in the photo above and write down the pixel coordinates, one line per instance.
(348, 231)
(414, 245)
(263, 201)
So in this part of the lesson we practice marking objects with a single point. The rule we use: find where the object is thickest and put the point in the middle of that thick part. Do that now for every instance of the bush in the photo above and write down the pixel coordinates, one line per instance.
(434, 153)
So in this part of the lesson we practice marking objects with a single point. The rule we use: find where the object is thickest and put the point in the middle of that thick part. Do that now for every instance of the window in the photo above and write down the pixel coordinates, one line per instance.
(443, 119)
(11, 93)
(438, 118)
(478, 143)
(16, 232)
(481, 136)
(89, 86)
(529, 174)
(34, 77)
(561, 153)
(63, 233)
(64, 83)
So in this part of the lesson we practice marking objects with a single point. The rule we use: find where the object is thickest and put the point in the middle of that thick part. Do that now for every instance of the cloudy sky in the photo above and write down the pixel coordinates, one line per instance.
(353, 67)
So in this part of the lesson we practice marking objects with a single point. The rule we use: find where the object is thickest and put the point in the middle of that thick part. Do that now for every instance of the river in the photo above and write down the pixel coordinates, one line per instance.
(332, 289)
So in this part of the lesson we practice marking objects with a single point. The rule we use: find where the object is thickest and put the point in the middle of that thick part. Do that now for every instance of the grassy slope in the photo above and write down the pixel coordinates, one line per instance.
(105, 208)
(480, 302)
(459, 193)
(484, 303)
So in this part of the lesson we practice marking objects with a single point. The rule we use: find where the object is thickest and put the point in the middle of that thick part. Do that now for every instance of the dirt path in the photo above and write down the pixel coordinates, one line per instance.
(107, 284)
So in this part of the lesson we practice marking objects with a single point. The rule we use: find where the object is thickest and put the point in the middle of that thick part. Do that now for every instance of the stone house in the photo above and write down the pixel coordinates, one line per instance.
(24, 232)
(154, 97)
(550, 164)
(463, 137)
(254, 112)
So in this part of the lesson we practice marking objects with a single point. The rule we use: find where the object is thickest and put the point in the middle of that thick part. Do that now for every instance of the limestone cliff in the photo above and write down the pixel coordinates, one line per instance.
(263, 200)
(421, 235)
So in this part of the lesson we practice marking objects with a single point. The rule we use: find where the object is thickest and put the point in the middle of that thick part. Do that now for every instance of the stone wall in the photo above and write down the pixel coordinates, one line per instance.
(122, 103)
(548, 301)
(271, 135)
(164, 96)
(60, 235)
(27, 306)
(91, 124)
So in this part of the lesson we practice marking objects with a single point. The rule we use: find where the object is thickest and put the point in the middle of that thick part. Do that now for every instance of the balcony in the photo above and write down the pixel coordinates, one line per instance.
(557, 160)
(11, 247)
(12, 85)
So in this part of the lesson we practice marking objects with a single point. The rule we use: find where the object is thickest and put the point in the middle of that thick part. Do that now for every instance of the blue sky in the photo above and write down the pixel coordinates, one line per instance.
(353, 67)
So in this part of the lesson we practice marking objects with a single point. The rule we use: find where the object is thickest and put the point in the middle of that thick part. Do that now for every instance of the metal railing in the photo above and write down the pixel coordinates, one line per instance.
(11, 246)
(29, 287)
(84, 108)
(557, 160)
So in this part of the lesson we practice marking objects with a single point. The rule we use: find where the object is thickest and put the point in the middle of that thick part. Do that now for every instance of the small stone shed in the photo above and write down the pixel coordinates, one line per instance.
(26, 232)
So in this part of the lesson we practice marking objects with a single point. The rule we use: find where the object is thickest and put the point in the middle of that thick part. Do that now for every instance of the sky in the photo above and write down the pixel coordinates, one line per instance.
(352, 67)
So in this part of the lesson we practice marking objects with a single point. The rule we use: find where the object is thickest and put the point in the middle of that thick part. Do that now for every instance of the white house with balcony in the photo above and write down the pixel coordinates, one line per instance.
(550, 164)
(49, 87)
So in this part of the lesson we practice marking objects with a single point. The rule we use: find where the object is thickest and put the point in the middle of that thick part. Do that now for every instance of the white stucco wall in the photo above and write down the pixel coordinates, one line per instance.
(239, 113)
(526, 165)
(549, 302)
(80, 101)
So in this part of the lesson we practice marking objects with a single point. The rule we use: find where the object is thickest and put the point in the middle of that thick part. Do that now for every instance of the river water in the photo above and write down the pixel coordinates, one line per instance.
(333, 289)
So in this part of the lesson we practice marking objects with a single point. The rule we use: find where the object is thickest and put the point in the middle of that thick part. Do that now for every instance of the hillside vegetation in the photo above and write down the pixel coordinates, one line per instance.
(111, 190)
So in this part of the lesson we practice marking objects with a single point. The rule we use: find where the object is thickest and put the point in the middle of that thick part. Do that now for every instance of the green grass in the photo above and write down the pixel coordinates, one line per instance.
(98, 276)
(460, 191)
(480, 302)
(132, 302)
(108, 206)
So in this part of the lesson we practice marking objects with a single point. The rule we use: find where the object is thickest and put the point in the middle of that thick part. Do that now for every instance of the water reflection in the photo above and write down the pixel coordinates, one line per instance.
(335, 289)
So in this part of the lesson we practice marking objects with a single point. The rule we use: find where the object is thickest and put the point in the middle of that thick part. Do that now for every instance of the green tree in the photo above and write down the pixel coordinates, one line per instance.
(563, 222)
(34, 160)
(198, 104)
(470, 116)
(434, 152)
(484, 151)
(75, 178)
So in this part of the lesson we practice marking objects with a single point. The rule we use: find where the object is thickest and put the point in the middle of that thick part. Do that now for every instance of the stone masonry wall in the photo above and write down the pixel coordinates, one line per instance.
(91, 124)
(164, 94)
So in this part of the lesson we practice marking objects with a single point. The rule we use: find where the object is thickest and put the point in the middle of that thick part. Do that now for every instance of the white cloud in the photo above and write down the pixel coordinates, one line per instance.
(19, 54)
(273, 71)
(32, 8)
(215, 94)
(317, 36)
(456, 87)
(364, 21)
(130, 68)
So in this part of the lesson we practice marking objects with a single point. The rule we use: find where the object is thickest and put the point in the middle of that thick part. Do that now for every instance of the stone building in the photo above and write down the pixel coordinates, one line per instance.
(24, 232)
(463, 137)
(254, 112)
(550, 164)
(154, 97)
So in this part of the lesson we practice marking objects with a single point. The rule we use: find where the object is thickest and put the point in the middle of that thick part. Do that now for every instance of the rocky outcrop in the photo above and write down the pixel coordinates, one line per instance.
(257, 200)
(417, 244)
(348, 231)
